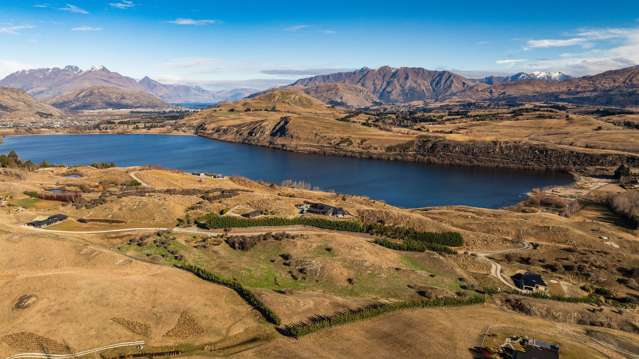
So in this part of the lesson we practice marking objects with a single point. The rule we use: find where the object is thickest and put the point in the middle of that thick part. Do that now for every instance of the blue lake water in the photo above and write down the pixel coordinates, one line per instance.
(399, 183)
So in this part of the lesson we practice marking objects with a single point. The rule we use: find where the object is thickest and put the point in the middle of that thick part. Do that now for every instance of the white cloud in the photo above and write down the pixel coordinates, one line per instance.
(603, 49)
(86, 29)
(14, 29)
(41, 6)
(123, 4)
(193, 22)
(329, 32)
(546, 43)
(510, 61)
(74, 9)
(296, 28)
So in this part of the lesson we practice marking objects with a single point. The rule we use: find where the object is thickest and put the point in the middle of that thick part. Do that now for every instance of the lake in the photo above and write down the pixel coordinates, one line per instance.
(402, 184)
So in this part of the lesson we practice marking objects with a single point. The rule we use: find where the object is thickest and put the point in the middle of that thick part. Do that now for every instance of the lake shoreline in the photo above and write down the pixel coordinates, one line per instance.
(428, 184)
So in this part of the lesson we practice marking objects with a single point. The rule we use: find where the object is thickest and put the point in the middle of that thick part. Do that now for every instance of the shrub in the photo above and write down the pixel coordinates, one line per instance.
(627, 205)
(587, 299)
(325, 321)
(102, 165)
(250, 298)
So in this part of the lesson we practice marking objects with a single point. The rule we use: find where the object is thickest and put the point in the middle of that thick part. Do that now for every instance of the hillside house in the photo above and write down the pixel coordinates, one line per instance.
(524, 348)
(321, 209)
(49, 221)
(530, 281)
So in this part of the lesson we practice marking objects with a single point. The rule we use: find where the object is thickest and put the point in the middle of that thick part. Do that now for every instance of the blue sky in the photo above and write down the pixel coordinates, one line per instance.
(259, 43)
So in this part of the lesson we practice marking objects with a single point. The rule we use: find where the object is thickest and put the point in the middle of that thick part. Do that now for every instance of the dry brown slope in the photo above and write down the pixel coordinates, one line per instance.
(17, 105)
(289, 118)
(104, 97)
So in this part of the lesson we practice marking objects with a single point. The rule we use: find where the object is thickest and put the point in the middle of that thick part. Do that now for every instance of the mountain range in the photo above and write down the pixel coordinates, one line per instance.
(71, 88)
(51, 84)
(386, 85)
(524, 76)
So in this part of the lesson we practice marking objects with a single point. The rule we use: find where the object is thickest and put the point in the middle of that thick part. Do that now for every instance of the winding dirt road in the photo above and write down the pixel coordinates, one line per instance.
(496, 269)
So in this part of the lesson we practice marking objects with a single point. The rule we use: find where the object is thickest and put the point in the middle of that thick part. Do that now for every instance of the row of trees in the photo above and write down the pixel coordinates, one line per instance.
(325, 321)
(248, 296)
(413, 246)
(211, 221)
(393, 237)
(451, 239)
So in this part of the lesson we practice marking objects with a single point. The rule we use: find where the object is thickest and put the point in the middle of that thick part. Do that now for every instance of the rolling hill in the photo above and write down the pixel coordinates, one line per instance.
(104, 97)
(17, 105)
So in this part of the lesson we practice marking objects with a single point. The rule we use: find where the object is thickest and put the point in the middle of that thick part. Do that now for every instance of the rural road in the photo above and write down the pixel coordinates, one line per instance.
(135, 177)
(78, 354)
(192, 230)
(496, 269)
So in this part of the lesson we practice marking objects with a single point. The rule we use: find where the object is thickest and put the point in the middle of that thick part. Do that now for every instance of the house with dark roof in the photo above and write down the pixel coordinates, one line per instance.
(530, 281)
(47, 222)
(523, 348)
(321, 209)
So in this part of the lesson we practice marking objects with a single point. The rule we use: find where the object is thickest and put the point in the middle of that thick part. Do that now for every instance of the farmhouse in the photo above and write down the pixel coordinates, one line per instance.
(49, 221)
(524, 348)
(322, 209)
(529, 281)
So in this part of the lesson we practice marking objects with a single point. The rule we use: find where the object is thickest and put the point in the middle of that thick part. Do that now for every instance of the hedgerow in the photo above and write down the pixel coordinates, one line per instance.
(413, 246)
(325, 321)
(430, 240)
(246, 294)
(452, 239)
(592, 299)
(214, 221)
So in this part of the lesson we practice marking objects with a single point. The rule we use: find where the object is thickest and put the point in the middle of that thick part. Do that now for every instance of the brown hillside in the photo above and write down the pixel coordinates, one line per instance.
(95, 98)
(17, 105)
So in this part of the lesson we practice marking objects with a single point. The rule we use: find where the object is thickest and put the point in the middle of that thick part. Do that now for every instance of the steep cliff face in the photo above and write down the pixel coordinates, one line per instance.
(507, 154)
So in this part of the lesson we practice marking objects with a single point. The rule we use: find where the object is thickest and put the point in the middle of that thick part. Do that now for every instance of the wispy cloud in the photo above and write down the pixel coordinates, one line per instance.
(296, 28)
(583, 38)
(74, 9)
(510, 61)
(14, 29)
(598, 49)
(304, 72)
(86, 29)
(123, 4)
(329, 32)
(547, 43)
(193, 22)
(41, 6)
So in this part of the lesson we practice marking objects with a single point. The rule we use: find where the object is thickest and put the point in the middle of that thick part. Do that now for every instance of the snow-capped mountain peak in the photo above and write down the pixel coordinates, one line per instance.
(540, 75)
